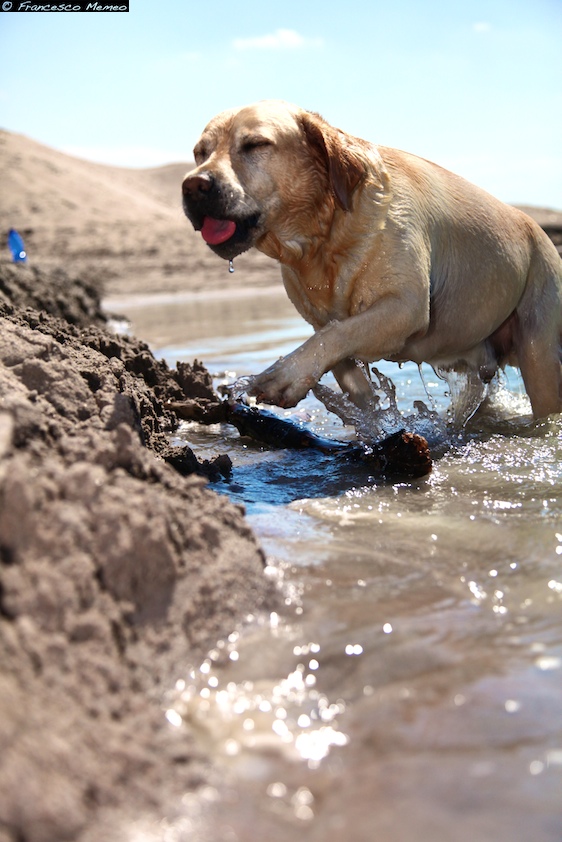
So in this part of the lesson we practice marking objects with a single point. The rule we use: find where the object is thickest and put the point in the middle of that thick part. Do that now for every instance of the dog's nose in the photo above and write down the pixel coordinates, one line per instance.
(195, 185)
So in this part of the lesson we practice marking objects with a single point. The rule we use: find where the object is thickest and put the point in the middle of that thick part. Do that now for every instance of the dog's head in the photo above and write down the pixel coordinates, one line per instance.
(269, 172)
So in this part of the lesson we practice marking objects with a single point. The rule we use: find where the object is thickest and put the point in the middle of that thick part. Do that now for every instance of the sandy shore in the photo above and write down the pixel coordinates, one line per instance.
(115, 570)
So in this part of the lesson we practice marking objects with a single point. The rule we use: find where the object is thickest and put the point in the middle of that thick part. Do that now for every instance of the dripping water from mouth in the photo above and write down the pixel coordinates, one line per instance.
(231, 266)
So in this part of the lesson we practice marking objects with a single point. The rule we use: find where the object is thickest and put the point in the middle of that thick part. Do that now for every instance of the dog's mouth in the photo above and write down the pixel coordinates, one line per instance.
(217, 231)
(229, 221)
(228, 237)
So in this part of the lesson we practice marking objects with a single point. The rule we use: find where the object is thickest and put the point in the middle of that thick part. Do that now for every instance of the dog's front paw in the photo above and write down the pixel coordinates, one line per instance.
(281, 385)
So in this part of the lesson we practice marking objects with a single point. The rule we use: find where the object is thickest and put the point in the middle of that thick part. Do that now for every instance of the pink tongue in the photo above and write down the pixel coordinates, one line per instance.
(215, 231)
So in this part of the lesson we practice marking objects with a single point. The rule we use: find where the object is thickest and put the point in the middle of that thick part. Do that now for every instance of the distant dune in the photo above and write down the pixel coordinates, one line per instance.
(123, 228)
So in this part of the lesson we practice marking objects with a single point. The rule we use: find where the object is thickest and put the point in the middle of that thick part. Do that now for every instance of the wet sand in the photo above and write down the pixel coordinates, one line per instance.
(114, 568)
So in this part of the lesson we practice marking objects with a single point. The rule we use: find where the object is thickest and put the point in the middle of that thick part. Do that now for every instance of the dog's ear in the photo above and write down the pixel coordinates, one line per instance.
(344, 166)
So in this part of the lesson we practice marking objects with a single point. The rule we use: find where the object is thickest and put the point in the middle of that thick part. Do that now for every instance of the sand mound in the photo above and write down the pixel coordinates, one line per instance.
(115, 573)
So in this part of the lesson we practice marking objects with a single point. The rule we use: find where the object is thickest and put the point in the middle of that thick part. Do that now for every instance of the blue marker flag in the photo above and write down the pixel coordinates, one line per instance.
(17, 247)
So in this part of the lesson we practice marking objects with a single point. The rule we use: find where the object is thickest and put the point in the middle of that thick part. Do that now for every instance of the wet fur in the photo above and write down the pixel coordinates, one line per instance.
(387, 255)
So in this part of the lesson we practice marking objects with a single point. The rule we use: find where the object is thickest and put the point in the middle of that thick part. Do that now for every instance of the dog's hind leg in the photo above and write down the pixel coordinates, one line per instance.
(539, 333)
(542, 376)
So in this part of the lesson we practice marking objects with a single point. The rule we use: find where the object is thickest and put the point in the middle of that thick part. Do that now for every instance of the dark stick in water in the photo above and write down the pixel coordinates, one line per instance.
(401, 454)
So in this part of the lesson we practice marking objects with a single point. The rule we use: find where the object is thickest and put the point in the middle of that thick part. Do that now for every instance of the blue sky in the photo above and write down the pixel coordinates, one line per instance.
(475, 86)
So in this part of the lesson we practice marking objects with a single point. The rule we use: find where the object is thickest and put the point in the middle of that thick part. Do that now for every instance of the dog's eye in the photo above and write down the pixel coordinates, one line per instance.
(200, 153)
(253, 143)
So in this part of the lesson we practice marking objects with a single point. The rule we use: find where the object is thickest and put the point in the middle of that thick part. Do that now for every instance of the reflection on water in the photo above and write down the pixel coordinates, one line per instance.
(287, 716)
(409, 686)
(226, 332)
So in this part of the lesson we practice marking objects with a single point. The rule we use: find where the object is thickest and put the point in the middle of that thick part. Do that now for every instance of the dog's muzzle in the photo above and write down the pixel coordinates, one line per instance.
(227, 223)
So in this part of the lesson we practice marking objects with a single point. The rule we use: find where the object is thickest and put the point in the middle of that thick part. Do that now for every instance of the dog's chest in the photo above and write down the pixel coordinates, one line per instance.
(319, 298)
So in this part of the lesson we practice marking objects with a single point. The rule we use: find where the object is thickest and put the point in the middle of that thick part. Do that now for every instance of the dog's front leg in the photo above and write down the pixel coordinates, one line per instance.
(289, 379)
(374, 334)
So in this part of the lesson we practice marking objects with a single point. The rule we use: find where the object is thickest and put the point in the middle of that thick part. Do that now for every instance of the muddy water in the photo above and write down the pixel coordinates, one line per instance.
(409, 687)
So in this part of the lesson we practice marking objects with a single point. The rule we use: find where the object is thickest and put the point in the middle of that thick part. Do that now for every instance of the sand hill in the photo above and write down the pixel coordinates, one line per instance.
(122, 228)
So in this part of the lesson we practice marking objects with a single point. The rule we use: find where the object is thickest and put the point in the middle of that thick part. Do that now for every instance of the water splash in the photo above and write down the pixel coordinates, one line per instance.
(240, 388)
(383, 417)
(474, 406)
(467, 392)
(495, 403)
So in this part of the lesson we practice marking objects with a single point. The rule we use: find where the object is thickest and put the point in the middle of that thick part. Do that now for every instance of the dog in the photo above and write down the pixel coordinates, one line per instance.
(385, 254)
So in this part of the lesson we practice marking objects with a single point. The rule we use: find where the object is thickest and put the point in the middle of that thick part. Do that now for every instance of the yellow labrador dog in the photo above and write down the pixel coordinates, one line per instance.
(387, 255)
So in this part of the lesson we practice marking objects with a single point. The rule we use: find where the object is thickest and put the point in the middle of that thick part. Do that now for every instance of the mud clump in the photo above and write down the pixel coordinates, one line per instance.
(116, 571)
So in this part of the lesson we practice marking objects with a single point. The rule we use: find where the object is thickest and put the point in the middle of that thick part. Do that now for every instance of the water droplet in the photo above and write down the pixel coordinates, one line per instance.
(512, 705)
(231, 266)
(536, 767)
(277, 790)
(353, 649)
(174, 718)
(232, 747)
(548, 662)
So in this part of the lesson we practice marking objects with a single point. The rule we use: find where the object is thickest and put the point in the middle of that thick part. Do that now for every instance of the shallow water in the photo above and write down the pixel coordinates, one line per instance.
(409, 686)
